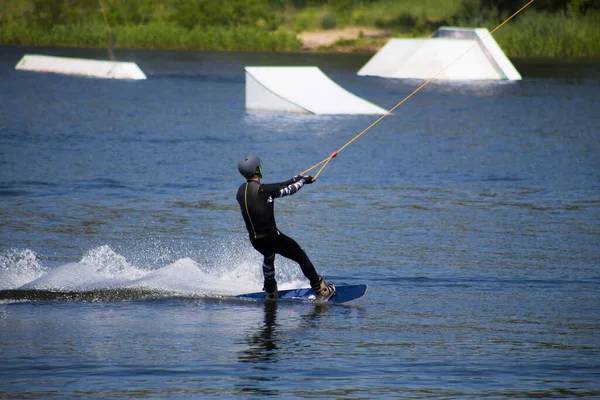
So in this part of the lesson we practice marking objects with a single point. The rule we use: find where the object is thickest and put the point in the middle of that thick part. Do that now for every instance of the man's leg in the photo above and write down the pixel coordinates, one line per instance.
(264, 247)
(269, 274)
(287, 247)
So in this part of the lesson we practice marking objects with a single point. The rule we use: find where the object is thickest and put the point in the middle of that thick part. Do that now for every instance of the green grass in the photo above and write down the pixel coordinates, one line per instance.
(399, 14)
(169, 36)
(388, 14)
(543, 34)
(531, 33)
(150, 36)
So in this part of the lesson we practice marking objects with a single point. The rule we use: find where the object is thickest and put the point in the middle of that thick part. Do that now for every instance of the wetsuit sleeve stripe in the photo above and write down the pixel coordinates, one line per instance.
(290, 189)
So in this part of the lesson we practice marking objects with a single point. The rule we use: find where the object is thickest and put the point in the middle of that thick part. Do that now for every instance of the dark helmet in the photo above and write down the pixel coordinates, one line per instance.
(250, 165)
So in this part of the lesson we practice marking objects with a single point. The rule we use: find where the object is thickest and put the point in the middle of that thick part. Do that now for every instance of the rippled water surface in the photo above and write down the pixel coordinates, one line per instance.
(472, 212)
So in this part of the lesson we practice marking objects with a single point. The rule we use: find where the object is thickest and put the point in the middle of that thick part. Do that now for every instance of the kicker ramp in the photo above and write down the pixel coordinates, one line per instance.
(301, 90)
(80, 66)
(424, 58)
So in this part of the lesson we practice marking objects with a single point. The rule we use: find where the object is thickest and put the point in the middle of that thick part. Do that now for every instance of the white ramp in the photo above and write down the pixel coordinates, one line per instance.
(301, 90)
(81, 66)
(424, 58)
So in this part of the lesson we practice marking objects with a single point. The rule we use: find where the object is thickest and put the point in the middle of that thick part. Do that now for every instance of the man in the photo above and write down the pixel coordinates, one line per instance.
(257, 205)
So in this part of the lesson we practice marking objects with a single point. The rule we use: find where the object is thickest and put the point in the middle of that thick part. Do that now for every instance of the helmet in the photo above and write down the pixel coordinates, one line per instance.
(250, 165)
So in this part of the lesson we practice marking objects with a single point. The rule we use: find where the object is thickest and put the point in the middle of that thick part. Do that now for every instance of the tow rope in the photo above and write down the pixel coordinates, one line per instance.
(335, 153)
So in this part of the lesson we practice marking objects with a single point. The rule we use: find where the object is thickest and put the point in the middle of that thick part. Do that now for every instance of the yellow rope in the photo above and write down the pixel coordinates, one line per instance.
(335, 153)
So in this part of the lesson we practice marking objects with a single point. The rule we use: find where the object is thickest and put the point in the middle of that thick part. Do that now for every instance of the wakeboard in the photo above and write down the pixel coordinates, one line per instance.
(343, 294)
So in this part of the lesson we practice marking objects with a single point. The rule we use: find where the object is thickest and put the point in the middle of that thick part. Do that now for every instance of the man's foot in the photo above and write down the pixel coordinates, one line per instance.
(271, 292)
(323, 291)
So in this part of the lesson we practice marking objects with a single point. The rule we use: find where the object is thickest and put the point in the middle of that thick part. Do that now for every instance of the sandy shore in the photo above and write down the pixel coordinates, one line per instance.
(368, 39)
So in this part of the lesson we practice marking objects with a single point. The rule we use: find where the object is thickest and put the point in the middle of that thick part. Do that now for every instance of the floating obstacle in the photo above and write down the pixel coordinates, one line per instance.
(80, 66)
(301, 90)
(424, 58)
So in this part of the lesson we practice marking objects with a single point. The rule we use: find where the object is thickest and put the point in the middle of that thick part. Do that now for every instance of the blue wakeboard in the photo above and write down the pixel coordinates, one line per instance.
(343, 294)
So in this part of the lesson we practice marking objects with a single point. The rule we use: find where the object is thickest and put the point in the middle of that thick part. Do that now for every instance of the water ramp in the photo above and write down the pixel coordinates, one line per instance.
(423, 58)
(301, 90)
(81, 66)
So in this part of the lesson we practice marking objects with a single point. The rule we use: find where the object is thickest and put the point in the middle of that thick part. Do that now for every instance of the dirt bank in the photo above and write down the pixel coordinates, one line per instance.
(354, 39)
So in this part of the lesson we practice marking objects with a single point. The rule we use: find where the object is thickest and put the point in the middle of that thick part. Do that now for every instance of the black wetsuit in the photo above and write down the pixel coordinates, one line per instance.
(257, 205)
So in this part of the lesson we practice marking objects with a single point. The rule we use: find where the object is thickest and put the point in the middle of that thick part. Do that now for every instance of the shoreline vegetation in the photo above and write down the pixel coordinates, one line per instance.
(545, 28)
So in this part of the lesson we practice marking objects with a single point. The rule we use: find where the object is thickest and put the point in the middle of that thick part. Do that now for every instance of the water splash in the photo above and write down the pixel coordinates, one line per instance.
(105, 261)
(18, 267)
(217, 270)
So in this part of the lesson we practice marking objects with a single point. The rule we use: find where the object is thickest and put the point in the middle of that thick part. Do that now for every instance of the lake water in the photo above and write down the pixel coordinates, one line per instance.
(472, 212)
